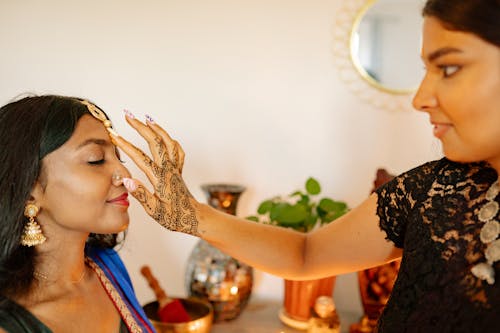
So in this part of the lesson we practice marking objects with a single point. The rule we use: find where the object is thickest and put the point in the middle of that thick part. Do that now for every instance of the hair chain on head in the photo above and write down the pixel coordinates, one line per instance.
(99, 115)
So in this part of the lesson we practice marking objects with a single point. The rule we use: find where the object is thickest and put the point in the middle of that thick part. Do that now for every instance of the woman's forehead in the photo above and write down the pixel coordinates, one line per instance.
(88, 130)
(436, 36)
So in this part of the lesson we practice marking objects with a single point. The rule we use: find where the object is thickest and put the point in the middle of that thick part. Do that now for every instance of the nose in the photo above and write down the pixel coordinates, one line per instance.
(118, 174)
(425, 97)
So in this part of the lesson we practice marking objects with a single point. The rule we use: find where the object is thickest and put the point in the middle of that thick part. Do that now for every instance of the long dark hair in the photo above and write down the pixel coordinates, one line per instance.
(30, 128)
(480, 17)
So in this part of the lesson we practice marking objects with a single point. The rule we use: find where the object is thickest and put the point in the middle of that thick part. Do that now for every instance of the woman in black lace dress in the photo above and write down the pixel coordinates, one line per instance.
(441, 218)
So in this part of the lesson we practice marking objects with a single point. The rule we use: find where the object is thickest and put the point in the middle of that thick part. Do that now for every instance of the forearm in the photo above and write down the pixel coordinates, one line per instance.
(351, 243)
(278, 251)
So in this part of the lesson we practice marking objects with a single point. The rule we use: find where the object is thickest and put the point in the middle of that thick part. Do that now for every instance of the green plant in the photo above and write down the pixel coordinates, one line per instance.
(301, 210)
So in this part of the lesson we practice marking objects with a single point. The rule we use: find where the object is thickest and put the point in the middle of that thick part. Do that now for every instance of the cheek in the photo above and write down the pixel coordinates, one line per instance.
(471, 106)
(77, 195)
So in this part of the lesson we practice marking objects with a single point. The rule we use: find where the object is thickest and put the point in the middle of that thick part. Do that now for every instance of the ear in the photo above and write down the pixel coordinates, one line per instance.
(37, 194)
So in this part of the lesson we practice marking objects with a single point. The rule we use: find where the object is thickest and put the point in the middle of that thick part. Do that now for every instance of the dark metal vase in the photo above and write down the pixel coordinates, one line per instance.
(213, 275)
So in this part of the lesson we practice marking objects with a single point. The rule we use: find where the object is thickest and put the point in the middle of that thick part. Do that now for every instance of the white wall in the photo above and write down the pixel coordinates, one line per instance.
(248, 87)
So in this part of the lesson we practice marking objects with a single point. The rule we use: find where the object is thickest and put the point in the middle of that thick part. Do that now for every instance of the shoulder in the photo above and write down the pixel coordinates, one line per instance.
(412, 187)
(445, 172)
(15, 318)
(416, 180)
(457, 174)
(109, 260)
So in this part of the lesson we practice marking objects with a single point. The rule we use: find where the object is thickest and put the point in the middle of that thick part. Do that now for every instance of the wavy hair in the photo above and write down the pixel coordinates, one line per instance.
(30, 128)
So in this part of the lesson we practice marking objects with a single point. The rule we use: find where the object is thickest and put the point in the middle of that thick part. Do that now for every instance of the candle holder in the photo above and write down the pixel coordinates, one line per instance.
(213, 275)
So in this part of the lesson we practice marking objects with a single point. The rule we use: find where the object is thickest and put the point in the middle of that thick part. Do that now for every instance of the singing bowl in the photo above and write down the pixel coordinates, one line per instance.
(201, 313)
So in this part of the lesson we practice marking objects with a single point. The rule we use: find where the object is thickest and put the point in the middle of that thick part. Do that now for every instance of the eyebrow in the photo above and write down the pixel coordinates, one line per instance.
(442, 52)
(99, 142)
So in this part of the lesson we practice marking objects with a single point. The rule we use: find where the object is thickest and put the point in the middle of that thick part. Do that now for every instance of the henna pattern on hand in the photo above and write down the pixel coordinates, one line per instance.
(170, 204)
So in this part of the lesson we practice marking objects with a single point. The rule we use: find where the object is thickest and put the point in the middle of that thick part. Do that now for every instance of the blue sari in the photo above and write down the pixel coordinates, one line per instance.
(116, 281)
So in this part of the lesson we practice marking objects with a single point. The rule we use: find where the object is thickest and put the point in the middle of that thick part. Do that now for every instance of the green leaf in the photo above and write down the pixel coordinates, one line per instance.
(329, 210)
(275, 211)
(253, 218)
(310, 222)
(326, 205)
(331, 216)
(265, 207)
(304, 200)
(329, 205)
(286, 214)
(312, 186)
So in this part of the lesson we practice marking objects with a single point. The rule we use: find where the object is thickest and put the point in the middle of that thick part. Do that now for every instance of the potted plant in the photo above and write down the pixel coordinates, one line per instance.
(302, 210)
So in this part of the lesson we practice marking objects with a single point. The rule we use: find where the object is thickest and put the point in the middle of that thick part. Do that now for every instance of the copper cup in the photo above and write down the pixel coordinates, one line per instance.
(201, 313)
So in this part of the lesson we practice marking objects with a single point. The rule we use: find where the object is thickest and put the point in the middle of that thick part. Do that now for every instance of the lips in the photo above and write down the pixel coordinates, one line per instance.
(120, 200)
(440, 128)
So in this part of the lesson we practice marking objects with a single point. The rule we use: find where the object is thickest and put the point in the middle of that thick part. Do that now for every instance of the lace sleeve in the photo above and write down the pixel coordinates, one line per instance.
(398, 197)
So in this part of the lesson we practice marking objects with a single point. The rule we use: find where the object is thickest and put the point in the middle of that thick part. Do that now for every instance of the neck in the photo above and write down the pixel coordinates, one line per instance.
(495, 164)
(61, 261)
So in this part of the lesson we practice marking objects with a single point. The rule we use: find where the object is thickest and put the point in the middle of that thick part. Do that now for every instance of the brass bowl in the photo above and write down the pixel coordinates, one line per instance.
(200, 311)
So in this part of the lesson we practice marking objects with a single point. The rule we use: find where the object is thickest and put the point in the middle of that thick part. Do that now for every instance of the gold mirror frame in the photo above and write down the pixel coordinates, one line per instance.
(347, 20)
(355, 59)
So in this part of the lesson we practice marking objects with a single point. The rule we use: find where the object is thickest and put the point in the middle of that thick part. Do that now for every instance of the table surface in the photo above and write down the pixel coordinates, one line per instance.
(262, 316)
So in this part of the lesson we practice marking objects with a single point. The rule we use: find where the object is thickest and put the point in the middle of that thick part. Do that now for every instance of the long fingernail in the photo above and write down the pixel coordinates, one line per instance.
(129, 114)
(129, 184)
(149, 119)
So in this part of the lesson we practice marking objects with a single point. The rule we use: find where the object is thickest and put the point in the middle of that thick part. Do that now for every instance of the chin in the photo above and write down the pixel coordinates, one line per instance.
(115, 227)
(121, 227)
(460, 157)
(125, 227)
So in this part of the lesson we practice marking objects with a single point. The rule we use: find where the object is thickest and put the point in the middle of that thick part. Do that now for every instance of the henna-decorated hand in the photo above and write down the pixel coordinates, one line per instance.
(171, 204)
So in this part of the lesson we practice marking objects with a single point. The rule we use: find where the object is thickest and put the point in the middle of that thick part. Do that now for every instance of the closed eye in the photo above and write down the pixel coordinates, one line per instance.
(98, 162)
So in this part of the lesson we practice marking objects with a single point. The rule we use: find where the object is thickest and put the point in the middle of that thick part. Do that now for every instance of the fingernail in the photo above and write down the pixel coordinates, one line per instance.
(149, 119)
(112, 132)
(129, 184)
(129, 114)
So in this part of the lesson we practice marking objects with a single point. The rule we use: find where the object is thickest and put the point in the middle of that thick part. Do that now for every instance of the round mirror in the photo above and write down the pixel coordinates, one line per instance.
(385, 44)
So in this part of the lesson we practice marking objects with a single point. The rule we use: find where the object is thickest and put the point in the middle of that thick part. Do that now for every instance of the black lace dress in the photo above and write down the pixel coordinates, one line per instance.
(431, 212)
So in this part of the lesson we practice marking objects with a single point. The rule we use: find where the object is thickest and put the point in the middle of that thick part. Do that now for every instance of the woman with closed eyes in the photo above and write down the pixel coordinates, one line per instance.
(62, 207)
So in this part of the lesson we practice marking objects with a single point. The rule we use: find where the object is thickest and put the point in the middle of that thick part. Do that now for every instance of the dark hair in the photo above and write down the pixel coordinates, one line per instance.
(480, 17)
(30, 128)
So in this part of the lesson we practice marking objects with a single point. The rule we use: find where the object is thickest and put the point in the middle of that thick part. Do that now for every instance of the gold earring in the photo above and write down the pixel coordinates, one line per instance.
(32, 234)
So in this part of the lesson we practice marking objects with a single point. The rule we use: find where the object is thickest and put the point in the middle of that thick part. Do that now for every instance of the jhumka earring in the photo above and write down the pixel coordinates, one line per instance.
(32, 234)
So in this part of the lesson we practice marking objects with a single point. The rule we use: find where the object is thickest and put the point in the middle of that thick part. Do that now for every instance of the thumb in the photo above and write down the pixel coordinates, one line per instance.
(141, 194)
(130, 184)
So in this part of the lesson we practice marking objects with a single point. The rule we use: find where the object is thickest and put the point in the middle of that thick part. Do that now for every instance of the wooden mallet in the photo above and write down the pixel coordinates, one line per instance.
(170, 310)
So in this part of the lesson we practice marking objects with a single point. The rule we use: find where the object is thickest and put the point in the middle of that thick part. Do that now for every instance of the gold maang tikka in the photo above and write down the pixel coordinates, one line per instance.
(99, 115)
(32, 234)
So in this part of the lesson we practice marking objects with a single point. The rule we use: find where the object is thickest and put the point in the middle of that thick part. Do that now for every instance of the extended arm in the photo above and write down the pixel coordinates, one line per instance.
(350, 243)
